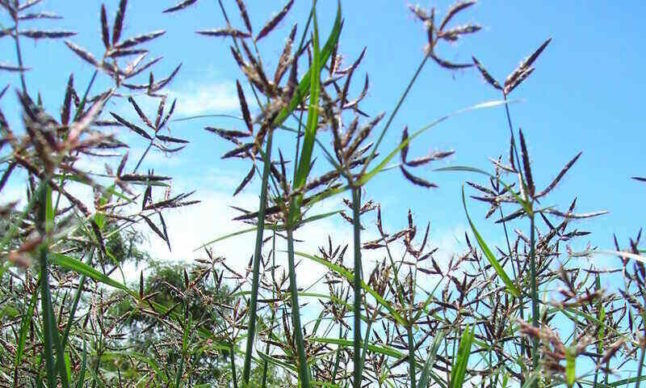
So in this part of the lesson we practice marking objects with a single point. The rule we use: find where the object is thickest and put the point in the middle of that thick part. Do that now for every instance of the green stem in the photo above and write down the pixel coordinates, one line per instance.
(534, 285)
(394, 113)
(356, 343)
(640, 367)
(303, 370)
(411, 356)
(260, 228)
(233, 367)
(337, 357)
(265, 365)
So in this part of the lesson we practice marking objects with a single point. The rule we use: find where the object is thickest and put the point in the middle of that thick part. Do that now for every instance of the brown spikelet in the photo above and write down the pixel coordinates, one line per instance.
(84, 54)
(245, 181)
(40, 34)
(3, 91)
(139, 39)
(560, 175)
(39, 15)
(285, 57)
(454, 10)
(118, 21)
(518, 79)
(244, 14)
(140, 113)
(141, 284)
(105, 30)
(486, 75)
(454, 34)
(416, 180)
(449, 65)
(131, 126)
(154, 228)
(404, 151)
(180, 6)
(271, 24)
(226, 133)
(529, 180)
(67, 101)
(419, 12)
(225, 32)
(524, 69)
(244, 107)
(429, 158)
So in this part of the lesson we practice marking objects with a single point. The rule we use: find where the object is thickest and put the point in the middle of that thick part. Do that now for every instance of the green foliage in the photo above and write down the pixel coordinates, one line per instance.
(81, 304)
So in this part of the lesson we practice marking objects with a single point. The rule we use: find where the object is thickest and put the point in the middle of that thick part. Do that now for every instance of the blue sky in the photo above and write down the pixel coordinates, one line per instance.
(583, 96)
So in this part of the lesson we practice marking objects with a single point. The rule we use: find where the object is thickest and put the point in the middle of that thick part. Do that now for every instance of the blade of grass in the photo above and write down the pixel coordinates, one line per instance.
(459, 368)
(430, 360)
(511, 287)
(356, 286)
(303, 88)
(52, 345)
(81, 268)
(370, 174)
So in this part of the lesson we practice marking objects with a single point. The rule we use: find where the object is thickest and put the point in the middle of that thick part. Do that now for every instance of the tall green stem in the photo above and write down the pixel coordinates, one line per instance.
(640, 367)
(411, 356)
(356, 343)
(303, 369)
(534, 285)
(401, 100)
(260, 228)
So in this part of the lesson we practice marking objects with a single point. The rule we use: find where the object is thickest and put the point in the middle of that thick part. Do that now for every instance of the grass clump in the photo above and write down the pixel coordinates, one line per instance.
(531, 312)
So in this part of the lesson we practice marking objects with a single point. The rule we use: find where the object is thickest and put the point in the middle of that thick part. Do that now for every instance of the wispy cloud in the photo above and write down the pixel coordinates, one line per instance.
(194, 98)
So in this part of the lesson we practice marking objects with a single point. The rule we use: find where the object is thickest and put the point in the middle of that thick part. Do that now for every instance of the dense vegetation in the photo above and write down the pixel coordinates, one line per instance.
(529, 312)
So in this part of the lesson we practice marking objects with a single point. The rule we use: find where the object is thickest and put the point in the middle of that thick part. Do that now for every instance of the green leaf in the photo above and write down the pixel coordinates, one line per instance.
(386, 350)
(570, 366)
(370, 174)
(81, 268)
(287, 367)
(531, 381)
(311, 126)
(459, 368)
(304, 85)
(54, 365)
(430, 360)
(81, 379)
(489, 255)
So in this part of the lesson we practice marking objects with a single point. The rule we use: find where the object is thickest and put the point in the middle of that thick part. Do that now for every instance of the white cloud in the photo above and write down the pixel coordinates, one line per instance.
(196, 98)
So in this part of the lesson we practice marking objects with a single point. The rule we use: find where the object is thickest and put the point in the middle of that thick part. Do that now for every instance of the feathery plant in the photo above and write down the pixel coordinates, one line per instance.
(532, 312)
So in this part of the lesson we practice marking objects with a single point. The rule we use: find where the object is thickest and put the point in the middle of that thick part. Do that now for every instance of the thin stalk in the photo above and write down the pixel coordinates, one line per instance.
(50, 330)
(233, 368)
(303, 369)
(511, 131)
(534, 290)
(394, 113)
(260, 228)
(75, 303)
(265, 365)
(411, 356)
(337, 357)
(356, 342)
(640, 367)
(19, 56)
